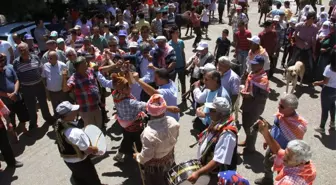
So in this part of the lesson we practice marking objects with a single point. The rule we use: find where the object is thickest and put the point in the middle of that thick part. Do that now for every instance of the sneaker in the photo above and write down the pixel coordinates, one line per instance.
(320, 130)
(264, 181)
(119, 157)
(17, 164)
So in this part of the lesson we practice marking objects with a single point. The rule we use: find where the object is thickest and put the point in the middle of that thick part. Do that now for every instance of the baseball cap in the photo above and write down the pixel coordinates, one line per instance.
(77, 27)
(54, 34)
(133, 45)
(122, 33)
(238, 7)
(65, 108)
(59, 40)
(28, 37)
(267, 23)
(257, 60)
(202, 45)
(207, 67)
(255, 39)
(293, 21)
(221, 104)
(160, 38)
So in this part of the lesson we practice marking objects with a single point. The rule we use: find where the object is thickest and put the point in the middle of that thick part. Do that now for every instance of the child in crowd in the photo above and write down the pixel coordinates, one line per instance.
(222, 45)
(205, 18)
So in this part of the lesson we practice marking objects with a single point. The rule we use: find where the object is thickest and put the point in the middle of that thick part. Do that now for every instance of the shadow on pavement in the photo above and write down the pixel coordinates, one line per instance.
(254, 162)
(273, 95)
(300, 90)
(7, 176)
(26, 140)
(128, 170)
(115, 129)
(279, 83)
(328, 140)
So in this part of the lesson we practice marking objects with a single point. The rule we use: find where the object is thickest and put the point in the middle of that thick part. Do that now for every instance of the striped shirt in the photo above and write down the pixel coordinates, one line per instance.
(77, 44)
(28, 72)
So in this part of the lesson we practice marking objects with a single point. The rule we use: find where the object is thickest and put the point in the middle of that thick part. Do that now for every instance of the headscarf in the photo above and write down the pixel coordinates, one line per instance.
(323, 32)
(156, 105)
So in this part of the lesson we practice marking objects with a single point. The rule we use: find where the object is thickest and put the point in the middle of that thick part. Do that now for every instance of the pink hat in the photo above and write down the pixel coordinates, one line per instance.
(156, 105)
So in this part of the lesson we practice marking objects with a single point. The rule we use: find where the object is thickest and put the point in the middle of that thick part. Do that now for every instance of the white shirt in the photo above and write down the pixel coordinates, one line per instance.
(224, 147)
(158, 138)
(331, 75)
(53, 75)
(205, 15)
(4, 46)
(77, 137)
(125, 24)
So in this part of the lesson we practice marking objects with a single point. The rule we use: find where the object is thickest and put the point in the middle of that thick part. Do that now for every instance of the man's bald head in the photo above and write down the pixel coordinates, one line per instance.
(52, 57)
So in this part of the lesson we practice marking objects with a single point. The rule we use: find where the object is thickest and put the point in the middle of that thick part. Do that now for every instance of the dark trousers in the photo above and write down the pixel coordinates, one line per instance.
(30, 94)
(198, 37)
(273, 63)
(249, 118)
(126, 146)
(288, 51)
(181, 77)
(56, 98)
(5, 147)
(221, 8)
(19, 109)
(268, 164)
(328, 98)
(84, 172)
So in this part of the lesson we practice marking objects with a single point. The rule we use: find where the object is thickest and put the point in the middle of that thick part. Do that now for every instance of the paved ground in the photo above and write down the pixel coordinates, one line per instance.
(43, 165)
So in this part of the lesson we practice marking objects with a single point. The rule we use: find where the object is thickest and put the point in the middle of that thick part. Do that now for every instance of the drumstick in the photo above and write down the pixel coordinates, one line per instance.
(142, 177)
(98, 139)
(193, 145)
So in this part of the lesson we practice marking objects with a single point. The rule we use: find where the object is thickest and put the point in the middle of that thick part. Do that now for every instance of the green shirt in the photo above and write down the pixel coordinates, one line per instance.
(99, 42)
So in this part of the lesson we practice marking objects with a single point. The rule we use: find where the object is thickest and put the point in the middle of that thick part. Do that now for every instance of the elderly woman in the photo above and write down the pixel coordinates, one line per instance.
(288, 125)
(294, 162)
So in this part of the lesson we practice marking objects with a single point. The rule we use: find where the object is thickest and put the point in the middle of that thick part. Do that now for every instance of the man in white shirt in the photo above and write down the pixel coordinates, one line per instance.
(122, 23)
(52, 75)
(218, 144)
(7, 49)
(158, 142)
(74, 146)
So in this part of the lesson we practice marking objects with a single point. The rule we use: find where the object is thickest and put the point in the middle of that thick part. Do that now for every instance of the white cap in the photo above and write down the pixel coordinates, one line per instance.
(202, 45)
(221, 105)
(159, 38)
(207, 67)
(66, 107)
(293, 20)
(255, 39)
(53, 34)
(77, 27)
(238, 7)
(133, 45)
(276, 18)
(59, 40)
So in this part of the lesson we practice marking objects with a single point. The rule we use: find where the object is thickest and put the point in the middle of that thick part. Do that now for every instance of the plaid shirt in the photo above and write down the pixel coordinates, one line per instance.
(86, 90)
(128, 109)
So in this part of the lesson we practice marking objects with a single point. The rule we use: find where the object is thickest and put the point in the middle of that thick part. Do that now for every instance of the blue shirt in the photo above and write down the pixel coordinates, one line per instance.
(7, 79)
(231, 81)
(179, 48)
(169, 92)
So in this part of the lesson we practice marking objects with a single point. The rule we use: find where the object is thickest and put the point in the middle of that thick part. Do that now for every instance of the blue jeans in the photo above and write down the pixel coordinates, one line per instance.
(242, 55)
(328, 98)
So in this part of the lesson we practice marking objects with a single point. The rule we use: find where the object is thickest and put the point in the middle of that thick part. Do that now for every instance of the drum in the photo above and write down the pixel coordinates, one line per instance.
(97, 138)
(179, 174)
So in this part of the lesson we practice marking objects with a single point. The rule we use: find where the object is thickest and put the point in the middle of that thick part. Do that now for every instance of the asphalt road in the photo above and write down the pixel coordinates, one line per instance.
(43, 165)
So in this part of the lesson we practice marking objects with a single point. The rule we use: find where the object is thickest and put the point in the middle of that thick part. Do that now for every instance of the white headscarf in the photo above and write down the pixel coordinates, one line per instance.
(324, 31)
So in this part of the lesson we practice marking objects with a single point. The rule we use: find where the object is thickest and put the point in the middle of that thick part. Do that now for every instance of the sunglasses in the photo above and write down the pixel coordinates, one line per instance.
(281, 106)
(112, 45)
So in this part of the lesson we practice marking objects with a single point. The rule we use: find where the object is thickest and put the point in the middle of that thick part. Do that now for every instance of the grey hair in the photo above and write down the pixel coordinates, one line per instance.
(224, 60)
(290, 100)
(70, 50)
(301, 150)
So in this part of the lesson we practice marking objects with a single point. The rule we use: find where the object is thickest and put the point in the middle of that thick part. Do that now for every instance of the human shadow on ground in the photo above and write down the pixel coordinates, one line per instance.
(187, 37)
(29, 139)
(310, 90)
(128, 170)
(328, 140)
(253, 161)
(273, 95)
(279, 83)
(7, 176)
(115, 129)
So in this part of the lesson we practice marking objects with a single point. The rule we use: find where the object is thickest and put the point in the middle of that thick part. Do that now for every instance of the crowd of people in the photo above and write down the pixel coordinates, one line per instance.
(138, 55)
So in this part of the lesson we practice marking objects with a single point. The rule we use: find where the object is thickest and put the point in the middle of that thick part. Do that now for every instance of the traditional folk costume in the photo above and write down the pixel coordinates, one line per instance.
(257, 85)
(284, 130)
(72, 142)
(231, 177)
(219, 143)
(130, 114)
(158, 140)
